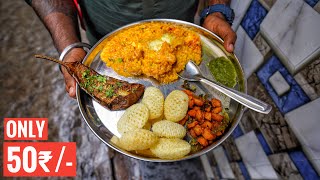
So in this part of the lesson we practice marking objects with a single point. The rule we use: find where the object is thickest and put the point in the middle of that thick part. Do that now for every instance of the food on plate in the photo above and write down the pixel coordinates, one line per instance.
(168, 129)
(176, 106)
(171, 148)
(223, 71)
(205, 121)
(154, 49)
(110, 92)
(134, 117)
(138, 139)
(141, 135)
(153, 99)
(200, 122)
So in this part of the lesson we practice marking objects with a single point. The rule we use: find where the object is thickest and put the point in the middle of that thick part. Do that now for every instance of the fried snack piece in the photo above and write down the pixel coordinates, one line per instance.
(168, 129)
(115, 140)
(134, 117)
(171, 148)
(176, 106)
(153, 99)
(138, 139)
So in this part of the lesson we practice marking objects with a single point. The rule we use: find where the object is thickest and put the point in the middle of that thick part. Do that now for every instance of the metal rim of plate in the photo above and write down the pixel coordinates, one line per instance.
(89, 110)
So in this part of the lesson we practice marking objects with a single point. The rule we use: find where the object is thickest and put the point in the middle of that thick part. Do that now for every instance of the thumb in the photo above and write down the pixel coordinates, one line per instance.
(229, 41)
(70, 84)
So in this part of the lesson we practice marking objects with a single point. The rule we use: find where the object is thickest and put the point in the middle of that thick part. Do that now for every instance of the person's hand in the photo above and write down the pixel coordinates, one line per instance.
(216, 23)
(76, 54)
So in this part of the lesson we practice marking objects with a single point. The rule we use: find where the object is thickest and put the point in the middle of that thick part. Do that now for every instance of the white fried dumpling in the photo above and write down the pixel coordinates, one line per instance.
(176, 106)
(138, 139)
(171, 148)
(154, 100)
(136, 116)
(168, 129)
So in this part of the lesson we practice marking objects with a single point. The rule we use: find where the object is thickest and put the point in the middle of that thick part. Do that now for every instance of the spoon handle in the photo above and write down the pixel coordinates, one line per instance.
(246, 100)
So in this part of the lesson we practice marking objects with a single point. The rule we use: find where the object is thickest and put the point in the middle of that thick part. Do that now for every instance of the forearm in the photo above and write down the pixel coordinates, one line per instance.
(212, 2)
(60, 18)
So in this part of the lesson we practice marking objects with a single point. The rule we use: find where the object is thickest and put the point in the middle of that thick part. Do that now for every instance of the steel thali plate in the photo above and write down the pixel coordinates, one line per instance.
(103, 122)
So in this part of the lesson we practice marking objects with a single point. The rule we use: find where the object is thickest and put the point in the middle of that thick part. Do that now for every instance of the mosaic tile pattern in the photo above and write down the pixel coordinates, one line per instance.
(231, 149)
(303, 165)
(312, 75)
(237, 171)
(273, 126)
(213, 164)
(252, 20)
(312, 3)
(279, 84)
(267, 3)
(284, 166)
(263, 46)
(206, 166)
(244, 170)
(294, 98)
(248, 54)
(189, 169)
(284, 30)
(223, 163)
(317, 7)
(307, 88)
(254, 158)
(307, 131)
(247, 122)
(237, 132)
(240, 8)
(264, 143)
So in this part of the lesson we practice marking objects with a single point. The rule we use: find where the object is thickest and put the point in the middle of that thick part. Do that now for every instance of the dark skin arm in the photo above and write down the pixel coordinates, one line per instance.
(216, 23)
(60, 18)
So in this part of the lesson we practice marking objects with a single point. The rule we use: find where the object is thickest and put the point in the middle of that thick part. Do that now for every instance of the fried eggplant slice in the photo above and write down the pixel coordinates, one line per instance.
(111, 93)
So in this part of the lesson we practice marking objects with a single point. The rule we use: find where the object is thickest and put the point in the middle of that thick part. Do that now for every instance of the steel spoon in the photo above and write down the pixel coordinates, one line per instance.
(192, 73)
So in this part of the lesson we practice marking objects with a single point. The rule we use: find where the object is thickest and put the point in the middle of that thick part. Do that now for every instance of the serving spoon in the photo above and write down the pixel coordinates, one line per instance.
(192, 73)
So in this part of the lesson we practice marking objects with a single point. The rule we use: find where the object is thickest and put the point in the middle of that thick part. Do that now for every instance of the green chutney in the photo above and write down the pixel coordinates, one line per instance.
(223, 71)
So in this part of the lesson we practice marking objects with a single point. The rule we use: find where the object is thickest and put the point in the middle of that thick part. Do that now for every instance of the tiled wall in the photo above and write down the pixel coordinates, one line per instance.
(284, 154)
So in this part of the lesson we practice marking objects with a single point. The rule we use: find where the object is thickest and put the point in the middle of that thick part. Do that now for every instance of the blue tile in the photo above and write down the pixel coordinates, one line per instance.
(312, 3)
(303, 165)
(237, 132)
(244, 170)
(253, 18)
(264, 144)
(292, 99)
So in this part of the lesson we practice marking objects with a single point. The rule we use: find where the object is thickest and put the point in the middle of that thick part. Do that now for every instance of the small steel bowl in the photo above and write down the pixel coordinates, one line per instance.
(102, 121)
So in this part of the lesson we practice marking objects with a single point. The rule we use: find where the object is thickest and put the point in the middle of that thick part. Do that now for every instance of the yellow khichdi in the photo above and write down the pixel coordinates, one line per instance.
(156, 49)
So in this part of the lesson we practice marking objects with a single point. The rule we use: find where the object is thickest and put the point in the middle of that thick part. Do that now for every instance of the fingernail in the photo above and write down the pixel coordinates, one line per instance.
(71, 90)
(230, 47)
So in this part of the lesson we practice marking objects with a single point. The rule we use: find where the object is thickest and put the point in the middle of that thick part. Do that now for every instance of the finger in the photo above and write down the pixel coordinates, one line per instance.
(230, 40)
(223, 30)
(70, 84)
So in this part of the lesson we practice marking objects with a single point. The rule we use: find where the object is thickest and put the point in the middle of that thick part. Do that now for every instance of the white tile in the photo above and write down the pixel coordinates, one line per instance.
(292, 30)
(223, 163)
(279, 84)
(206, 166)
(254, 158)
(305, 123)
(240, 8)
(248, 54)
